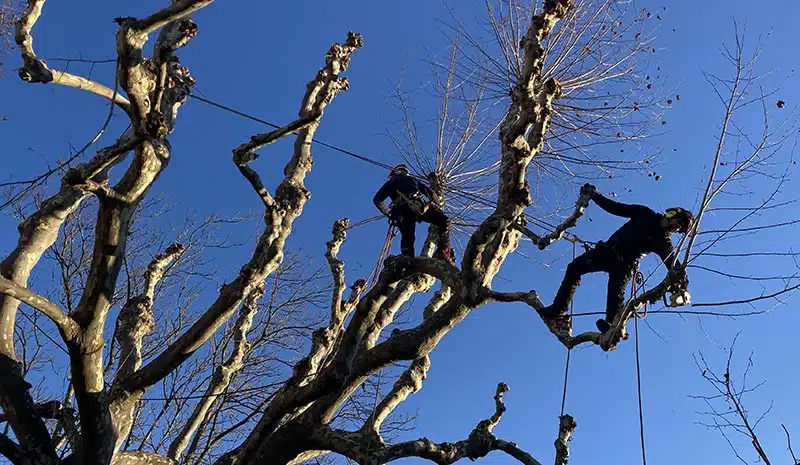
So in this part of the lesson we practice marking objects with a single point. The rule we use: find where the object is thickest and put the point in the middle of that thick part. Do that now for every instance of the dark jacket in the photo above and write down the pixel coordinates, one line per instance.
(406, 185)
(641, 235)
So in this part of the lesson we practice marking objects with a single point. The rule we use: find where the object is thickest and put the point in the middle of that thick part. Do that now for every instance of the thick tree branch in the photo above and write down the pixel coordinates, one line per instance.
(408, 383)
(178, 10)
(246, 153)
(52, 311)
(136, 319)
(35, 69)
(223, 374)
(291, 196)
(566, 426)
(36, 234)
(561, 326)
(481, 441)
(448, 274)
(522, 135)
(544, 241)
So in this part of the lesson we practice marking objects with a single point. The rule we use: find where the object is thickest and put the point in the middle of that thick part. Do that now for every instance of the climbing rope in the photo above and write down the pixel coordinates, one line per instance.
(475, 198)
(638, 278)
(387, 244)
(569, 349)
(365, 221)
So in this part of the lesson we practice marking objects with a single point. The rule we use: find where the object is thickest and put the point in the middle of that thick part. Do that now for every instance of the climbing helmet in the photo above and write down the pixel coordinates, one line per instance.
(682, 214)
(400, 170)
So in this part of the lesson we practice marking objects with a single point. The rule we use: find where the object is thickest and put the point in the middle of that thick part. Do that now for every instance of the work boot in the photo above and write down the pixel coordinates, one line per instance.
(603, 326)
(447, 254)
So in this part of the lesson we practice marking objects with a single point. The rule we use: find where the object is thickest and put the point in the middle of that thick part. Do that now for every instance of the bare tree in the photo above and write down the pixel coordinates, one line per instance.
(319, 405)
(726, 411)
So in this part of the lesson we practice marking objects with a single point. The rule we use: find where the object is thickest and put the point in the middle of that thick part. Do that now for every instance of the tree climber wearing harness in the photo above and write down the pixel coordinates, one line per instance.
(409, 207)
(646, 231)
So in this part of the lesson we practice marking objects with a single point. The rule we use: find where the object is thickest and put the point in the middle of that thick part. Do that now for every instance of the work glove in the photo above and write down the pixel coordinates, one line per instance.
(588, 190)
(679, 280)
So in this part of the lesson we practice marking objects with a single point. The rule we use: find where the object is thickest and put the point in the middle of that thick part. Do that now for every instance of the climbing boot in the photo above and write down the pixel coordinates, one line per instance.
(603, 326)
(447, 254)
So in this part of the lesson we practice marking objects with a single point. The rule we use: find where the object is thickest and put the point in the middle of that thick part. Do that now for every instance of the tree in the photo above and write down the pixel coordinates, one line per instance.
(317, 408)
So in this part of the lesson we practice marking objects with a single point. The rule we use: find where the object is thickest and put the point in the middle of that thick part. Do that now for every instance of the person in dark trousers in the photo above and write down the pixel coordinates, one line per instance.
(645, 232)
(409, 208)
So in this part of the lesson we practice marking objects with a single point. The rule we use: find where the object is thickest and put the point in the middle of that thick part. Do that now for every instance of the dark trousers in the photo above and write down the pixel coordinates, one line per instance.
(602, 258)
(407, 220)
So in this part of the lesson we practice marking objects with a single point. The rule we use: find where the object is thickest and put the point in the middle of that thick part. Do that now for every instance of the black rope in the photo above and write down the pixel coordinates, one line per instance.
(539, 222)
(638, 277)
(569, 351)
(275, 126)
(365, 221)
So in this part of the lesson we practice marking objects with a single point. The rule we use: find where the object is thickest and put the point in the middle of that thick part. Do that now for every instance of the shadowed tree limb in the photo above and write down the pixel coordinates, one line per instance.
(480, 442)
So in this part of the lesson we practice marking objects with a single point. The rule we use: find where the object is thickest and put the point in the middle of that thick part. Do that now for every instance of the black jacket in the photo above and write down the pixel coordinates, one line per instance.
(406, 185)
(641, 235)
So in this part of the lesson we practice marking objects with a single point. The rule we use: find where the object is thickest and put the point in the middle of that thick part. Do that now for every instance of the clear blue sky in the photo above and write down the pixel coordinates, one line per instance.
(258, 57)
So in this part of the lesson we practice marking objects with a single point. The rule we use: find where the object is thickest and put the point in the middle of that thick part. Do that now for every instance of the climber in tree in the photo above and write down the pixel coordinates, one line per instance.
(409, 207)
(646, 231)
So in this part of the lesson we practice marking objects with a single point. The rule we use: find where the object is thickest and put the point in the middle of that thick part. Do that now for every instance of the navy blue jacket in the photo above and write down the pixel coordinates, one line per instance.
(406, 185)
(641, 235)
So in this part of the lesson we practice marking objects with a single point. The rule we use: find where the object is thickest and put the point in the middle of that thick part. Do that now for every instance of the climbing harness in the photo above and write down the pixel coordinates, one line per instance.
(415, 202)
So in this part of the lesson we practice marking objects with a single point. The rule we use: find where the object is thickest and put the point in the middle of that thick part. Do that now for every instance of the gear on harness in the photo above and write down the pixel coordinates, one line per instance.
(645, 232)
(409, 207)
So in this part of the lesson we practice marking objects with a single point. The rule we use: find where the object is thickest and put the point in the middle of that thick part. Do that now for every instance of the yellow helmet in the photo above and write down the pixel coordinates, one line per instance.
(684, 215)
(400, 170)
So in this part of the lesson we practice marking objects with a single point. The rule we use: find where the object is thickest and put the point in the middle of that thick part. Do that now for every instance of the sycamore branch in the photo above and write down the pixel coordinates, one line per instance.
(35, 69)
(178, 10)
(324, 340)
(561, 326)
(410, 382)
(291, 196)
(52, 311)
(405, 266)
(522, 134)
(566, 426)
(544, 241)
(246, 153)
(223, 374)
(480, 442)
(136, 319)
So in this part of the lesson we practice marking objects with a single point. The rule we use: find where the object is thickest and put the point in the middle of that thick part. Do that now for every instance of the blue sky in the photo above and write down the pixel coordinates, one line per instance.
(258, 57)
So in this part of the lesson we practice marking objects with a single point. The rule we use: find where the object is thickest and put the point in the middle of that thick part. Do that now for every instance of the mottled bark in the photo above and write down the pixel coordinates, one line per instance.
(135, 321)
(359, 355)
(409, 383)
(480, 442)
(566, 426)
(83, 330)
(223, 374)
(34, 69)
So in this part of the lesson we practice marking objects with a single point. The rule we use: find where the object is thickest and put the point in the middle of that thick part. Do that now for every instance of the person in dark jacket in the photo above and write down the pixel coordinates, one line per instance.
(645, 232)
(409, 208)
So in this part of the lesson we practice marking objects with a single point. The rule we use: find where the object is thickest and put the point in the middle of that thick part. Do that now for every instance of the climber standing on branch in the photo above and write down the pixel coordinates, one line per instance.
(645, 232)
(409, 207)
